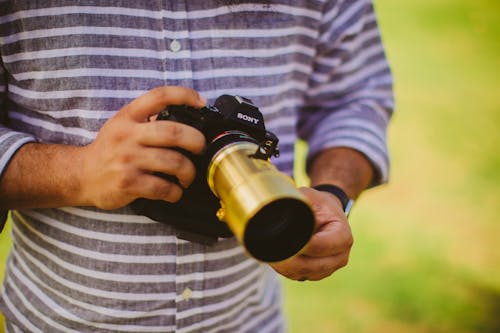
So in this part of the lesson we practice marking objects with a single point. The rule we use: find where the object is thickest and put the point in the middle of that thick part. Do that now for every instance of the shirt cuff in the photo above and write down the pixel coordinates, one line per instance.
(10, 142)
(362, 130)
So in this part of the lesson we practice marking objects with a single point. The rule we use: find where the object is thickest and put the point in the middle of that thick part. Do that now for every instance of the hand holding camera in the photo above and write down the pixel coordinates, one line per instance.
(120, 164)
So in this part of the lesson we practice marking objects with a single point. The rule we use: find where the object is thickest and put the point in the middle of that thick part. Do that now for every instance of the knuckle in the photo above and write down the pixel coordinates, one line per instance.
(173, 134)
(126, 158)
(176, 161)
(302, 273)
(120, 132)
(123, 173)
(125, 182)
(167, 191)
(344, 260)
(323, 272)
(161, 189)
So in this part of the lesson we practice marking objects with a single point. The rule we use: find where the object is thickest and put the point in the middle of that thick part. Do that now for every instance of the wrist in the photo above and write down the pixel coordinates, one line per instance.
(344, 167)
(65, 175)
(80, 195)
(345, 201)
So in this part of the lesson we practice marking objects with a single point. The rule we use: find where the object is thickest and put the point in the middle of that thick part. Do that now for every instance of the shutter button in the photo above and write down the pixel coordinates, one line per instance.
(175, 46)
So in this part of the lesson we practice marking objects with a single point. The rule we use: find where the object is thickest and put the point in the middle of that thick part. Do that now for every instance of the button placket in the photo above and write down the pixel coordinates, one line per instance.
(178, 66)
(190, 256)
(189, 282)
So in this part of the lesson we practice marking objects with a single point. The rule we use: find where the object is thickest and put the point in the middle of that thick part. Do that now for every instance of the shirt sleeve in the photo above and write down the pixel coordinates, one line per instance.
(10, 140)
(349, 101)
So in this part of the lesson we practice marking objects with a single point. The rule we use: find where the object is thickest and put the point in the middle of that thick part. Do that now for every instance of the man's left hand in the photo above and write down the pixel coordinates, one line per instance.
(328, 250)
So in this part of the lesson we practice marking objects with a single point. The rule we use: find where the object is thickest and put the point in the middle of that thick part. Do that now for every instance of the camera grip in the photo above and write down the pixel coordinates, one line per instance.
(183, 114)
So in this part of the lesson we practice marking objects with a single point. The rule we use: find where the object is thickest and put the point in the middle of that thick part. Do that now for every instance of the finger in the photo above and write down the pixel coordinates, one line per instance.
(332, 239)
(155, 188)
(155, 100)
(171, 134)
(301, 268)
(320, 268)
(169, 162)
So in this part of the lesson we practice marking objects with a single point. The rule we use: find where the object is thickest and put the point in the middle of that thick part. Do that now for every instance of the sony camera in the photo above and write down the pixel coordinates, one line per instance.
(237, 190)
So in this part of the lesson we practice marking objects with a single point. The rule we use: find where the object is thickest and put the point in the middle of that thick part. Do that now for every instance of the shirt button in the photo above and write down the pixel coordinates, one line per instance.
(175, 46)
(187, 294)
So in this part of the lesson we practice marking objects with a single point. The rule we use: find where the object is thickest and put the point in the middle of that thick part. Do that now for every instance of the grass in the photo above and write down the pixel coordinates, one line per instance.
(425, 258)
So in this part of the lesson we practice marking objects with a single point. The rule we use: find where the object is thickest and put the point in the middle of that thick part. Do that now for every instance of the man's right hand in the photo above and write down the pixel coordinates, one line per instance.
(119, 165)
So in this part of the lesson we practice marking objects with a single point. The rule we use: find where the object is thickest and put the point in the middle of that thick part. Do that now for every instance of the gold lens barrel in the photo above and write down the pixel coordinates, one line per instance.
(261, 205)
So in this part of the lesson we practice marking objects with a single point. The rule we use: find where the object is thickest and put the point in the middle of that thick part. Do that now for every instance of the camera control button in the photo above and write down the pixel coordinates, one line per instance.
(175, 46)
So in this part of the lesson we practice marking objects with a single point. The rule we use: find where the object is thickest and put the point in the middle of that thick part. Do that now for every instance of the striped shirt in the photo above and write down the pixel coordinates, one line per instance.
(317, 71)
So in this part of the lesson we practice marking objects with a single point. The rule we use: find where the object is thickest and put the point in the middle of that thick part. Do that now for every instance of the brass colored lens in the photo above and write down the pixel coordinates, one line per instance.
(261, 205)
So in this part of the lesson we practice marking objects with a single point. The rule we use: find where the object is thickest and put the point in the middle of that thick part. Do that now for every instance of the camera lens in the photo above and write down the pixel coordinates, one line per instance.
(279, 230)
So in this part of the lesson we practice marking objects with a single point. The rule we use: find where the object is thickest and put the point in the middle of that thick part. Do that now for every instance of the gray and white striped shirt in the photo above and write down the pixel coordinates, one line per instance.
(316, 69)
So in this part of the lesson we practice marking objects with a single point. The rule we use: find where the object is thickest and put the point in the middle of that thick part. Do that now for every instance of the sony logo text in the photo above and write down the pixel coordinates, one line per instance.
(247, 118)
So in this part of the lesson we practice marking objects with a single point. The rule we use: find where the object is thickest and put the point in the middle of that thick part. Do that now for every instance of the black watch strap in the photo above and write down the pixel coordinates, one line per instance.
(339, 193)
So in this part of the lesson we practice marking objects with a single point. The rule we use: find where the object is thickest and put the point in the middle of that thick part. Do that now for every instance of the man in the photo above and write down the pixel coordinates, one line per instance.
(80, 82)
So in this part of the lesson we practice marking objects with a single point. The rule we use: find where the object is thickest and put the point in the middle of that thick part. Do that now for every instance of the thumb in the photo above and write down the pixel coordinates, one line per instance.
(326, 207)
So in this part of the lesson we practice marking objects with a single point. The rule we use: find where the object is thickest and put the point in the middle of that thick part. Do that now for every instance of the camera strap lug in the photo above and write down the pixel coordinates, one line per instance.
(267, 147)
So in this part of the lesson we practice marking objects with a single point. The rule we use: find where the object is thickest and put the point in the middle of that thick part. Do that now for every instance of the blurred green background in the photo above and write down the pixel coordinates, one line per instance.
(426, 256)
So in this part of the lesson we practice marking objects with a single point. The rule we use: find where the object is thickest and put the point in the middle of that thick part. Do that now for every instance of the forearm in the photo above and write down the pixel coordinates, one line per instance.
(42, 176)
(344, 167)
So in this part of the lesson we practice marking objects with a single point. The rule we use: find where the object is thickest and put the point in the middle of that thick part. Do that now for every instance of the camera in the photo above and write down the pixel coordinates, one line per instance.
(237, 190)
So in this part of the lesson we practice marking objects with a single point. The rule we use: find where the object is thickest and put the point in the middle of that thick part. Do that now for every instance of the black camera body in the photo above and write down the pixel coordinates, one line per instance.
(231, 120)
(237, 190)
